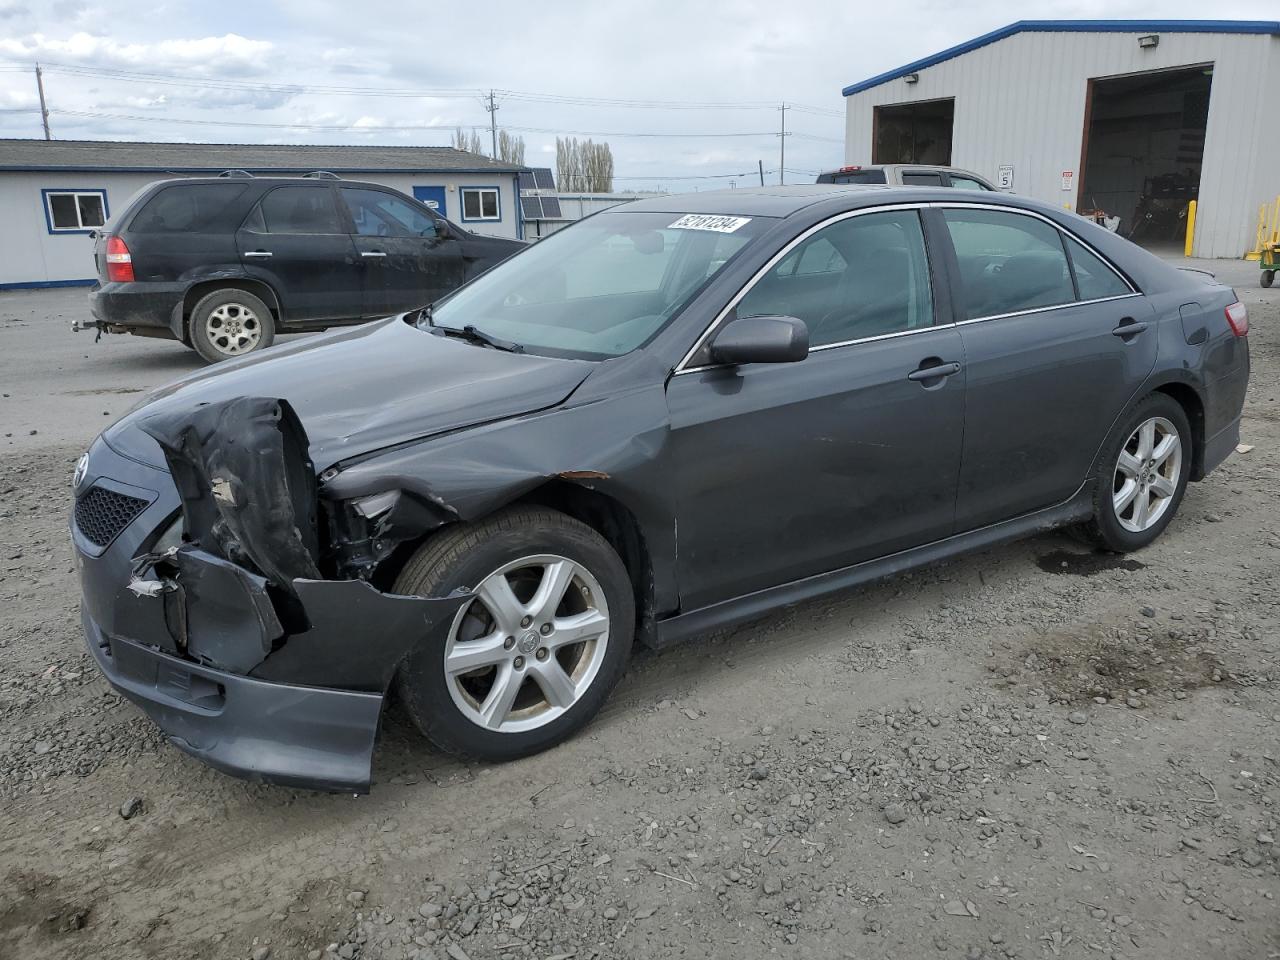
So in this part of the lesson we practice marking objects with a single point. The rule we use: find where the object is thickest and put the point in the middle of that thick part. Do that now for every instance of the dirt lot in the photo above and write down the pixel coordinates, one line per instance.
(1031, 752)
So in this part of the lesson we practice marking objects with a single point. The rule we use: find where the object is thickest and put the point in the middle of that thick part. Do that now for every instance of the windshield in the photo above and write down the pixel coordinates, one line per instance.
(602, 287)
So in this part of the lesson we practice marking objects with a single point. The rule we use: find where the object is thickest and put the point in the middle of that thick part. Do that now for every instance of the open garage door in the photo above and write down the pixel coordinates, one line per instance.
(1143, 146)
(913, 132)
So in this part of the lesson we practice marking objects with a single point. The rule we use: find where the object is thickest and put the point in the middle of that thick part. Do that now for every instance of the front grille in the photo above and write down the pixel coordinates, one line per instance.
(101, 514)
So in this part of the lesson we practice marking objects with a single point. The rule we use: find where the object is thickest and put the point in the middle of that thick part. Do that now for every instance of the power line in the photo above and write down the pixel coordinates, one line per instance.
(391, 128)
(692, 176)
(227, 83)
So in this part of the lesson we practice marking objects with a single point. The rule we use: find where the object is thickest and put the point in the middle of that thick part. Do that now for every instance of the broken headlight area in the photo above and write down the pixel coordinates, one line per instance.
(236, 583)
(366, 531)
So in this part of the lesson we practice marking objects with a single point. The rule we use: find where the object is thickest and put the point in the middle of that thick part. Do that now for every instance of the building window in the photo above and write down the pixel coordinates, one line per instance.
(480, 203)
(74, 211)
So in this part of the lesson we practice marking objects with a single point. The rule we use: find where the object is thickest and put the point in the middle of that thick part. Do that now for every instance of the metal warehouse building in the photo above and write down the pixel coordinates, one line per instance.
(53, 193)
(1112, 118)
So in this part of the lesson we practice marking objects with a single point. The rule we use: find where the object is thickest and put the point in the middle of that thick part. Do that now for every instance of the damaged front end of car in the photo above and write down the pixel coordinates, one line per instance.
(256, 638)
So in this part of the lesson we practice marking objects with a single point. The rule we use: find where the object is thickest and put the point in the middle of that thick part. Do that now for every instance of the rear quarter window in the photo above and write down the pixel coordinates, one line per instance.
(186, 208)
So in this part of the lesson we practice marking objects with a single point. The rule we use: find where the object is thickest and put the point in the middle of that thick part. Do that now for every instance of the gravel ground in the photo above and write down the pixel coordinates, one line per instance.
(1029, 752)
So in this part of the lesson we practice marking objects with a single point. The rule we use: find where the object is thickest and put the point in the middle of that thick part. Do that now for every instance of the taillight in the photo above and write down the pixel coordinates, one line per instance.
(1238, 317)
(119, 261)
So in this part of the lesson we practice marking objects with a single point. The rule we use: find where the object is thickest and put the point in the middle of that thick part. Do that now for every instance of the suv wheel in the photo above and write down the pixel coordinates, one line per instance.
(230, 323)
(532, 658)
(1141, 475)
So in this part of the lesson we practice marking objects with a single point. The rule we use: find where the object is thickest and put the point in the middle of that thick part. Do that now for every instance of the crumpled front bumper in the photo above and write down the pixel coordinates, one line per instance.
(270, 732)
(288, 693)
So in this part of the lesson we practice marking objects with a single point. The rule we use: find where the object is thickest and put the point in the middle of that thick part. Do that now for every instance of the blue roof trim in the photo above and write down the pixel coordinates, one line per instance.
(1271, 27)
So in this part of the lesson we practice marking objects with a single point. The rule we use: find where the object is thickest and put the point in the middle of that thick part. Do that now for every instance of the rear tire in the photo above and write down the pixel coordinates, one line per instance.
(230, 323)
(1141, 476)
(511, 683)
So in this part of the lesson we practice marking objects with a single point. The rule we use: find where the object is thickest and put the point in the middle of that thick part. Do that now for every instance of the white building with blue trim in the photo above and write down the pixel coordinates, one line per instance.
(55, 193)
(1127, 119)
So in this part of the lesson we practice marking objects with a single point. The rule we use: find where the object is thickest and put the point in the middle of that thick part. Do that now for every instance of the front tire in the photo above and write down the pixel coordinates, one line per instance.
(1268, 277)
(230, 323)
(531, 660)
(1141, 475)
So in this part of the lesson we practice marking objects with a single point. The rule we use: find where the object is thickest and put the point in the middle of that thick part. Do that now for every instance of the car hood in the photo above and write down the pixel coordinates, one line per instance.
(366, 388)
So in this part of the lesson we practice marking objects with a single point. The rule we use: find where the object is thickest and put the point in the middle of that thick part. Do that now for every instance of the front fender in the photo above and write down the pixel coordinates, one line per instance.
(615, 445)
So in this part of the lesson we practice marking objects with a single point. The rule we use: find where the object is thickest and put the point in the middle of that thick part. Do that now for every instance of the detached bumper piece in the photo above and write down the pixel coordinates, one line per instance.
(198, 645)
(266, 732)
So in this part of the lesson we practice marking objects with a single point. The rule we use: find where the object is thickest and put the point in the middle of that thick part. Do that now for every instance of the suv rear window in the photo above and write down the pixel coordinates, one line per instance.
(185, 208)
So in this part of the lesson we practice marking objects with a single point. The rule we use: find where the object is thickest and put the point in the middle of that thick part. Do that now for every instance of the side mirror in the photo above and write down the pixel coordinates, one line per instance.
(442, 229)
(761, 340)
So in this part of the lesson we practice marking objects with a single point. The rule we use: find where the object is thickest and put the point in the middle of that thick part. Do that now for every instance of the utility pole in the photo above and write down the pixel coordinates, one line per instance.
(44, 111)
(760, 164)
(492, 107)
(782, 147)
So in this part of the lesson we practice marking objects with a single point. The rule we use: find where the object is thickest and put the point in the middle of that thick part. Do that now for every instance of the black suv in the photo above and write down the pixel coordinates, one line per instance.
(223, 263)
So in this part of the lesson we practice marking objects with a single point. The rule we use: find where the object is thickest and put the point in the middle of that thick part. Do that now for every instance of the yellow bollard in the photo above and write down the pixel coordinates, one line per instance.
(1263, 234)
(1191, 228)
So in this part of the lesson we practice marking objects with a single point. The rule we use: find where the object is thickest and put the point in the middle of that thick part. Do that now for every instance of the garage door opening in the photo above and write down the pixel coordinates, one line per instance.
(913, 132)
(1143, 146)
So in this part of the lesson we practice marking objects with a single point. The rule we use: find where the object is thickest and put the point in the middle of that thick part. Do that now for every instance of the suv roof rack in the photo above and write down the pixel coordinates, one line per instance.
(322, 175)
(236, 173)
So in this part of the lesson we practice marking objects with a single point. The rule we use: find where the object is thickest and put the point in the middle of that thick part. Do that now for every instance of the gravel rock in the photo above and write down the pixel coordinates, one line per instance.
(131, 808)
(895, 813)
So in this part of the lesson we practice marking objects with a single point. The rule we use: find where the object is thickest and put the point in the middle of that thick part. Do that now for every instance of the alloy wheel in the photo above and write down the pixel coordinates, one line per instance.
(1147, 474)
(530, 644)
(233, 329)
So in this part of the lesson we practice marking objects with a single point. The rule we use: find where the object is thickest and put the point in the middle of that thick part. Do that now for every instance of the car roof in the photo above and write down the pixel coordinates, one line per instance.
(750, 202)
(785, 201)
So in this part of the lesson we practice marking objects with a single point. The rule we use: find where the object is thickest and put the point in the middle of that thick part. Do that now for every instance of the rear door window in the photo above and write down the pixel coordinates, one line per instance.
(297, 210)
(186, 208)
(1008, 262)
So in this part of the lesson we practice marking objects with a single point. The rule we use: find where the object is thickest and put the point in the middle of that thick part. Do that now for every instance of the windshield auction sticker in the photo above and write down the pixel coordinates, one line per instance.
(706, 221)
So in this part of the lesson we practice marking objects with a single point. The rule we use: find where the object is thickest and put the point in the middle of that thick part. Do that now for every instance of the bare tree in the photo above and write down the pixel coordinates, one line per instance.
(510, 148)
(470, 143)
(584, 166)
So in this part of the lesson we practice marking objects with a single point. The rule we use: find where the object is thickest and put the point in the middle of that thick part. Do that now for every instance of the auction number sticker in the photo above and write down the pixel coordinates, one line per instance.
(706, 221)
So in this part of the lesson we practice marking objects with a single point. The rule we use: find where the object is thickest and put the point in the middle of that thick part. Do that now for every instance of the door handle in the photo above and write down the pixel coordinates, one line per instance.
(372, 253)
(934, 371)
(1129, 327)
(257, 253)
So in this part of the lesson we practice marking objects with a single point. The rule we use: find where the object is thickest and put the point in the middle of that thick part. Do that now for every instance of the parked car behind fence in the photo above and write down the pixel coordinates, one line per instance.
(907, 175)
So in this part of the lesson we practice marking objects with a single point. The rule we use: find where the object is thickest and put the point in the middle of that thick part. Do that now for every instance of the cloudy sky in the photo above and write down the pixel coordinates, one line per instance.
(685, 91)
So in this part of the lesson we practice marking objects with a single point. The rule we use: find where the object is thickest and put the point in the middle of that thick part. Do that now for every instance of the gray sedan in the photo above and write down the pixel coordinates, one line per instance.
(666, 419)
